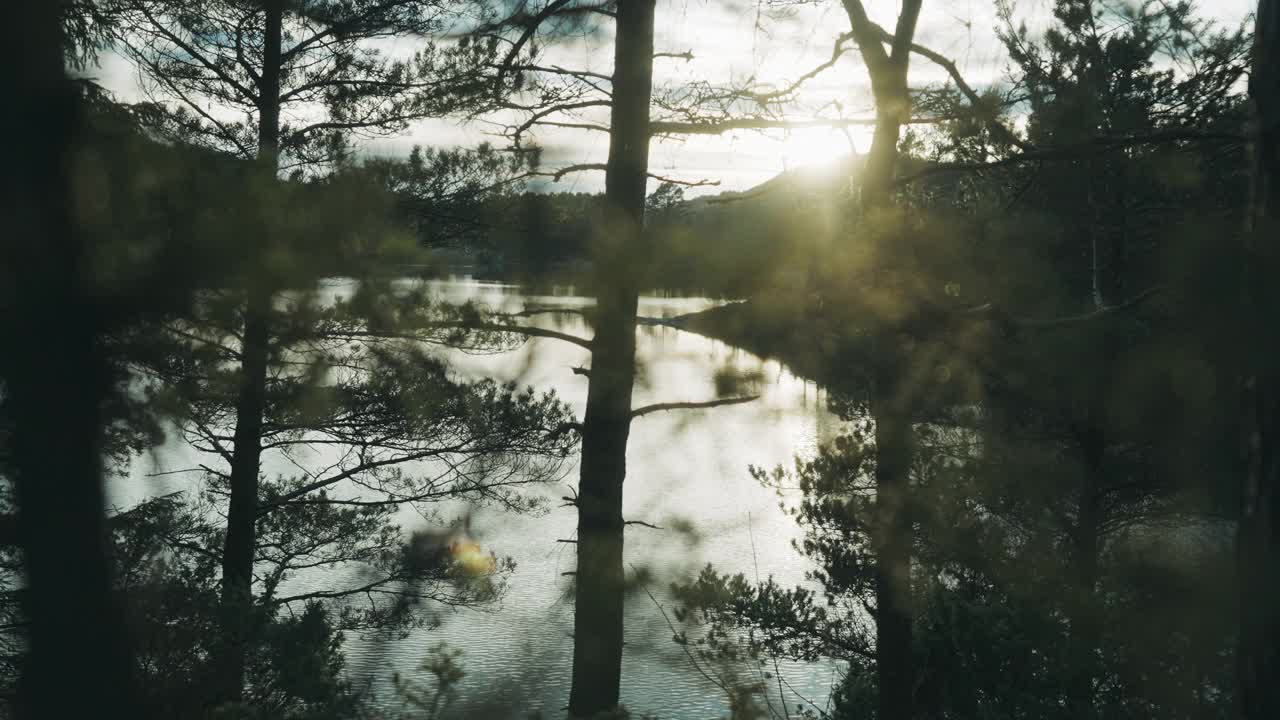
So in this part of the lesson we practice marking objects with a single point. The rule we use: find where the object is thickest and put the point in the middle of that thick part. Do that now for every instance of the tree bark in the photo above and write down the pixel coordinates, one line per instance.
(1258, 533)
(241, 538)
(598, 603)
(890, 402)
(895, 658)
(55, 377)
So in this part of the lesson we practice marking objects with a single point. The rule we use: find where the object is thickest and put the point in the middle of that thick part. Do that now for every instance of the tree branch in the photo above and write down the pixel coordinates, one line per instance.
(586, 167)
(1129, 304)
(642, 523)
(660, 407)
(531, 25)
(837, 51)
(717, 127)
(460, 325)
(196, 55)
(997, 128)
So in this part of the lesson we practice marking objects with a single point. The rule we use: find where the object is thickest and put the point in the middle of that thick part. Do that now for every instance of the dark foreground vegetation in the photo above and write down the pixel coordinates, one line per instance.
(1044, 310)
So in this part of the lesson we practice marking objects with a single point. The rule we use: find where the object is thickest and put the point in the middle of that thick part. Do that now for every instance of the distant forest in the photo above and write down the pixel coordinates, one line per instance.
(730, 244)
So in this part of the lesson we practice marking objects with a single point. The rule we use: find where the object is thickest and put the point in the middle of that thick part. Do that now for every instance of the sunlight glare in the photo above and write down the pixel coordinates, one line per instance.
(818, 148)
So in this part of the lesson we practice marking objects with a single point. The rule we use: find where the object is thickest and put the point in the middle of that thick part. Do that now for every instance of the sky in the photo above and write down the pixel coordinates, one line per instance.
(771, 41)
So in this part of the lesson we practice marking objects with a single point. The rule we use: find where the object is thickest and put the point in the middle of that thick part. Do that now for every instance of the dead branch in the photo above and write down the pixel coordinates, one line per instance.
(642, 523)
(837, 51)
(559, 174)
(537, 117)
(661, 407)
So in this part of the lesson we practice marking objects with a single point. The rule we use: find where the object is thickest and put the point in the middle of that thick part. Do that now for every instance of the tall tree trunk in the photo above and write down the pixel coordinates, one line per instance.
(895, 660)
(891, 405)
(242, 511)
(55, 376)
(598, 603)
(1258, 533)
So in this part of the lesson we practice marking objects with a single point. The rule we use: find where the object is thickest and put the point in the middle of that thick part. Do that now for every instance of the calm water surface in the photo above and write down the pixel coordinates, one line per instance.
(683, 467)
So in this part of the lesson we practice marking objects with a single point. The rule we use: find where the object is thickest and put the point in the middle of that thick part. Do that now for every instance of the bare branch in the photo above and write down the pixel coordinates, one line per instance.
(586, 167)
(642, 523)
(558, 70)
(574, 126)
(660, 407)
(717, 127)
(837, 51)
(1109, 310)
(537, 117)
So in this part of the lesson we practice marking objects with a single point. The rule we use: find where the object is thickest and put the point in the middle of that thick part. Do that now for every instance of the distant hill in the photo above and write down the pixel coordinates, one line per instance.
(787, 186)
(730, 244)
(738, 243)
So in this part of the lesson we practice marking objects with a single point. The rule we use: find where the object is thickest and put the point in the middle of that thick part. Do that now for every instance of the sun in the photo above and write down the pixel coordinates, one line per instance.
(818, 149)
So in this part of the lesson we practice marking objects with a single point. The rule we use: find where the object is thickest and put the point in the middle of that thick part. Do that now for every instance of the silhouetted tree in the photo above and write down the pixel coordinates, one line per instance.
(265, 61)
(1258, 538)
(54, 375)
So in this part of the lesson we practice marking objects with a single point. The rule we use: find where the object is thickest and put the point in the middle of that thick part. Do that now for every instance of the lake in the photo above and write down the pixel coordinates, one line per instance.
(685, 468)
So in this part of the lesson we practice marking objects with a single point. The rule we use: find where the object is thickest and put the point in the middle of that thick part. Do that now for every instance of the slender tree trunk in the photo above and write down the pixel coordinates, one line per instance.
(892, 411)
(1258, 534)
(55, 376)
(598, 604)
(242, 512)
(895, 659)
(1085, 630)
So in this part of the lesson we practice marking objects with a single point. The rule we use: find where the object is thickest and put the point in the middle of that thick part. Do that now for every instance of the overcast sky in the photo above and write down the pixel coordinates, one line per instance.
(736, 39)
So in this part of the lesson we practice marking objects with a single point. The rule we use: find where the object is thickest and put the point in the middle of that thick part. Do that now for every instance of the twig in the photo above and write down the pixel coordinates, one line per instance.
(683, 645)
(755, 562)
